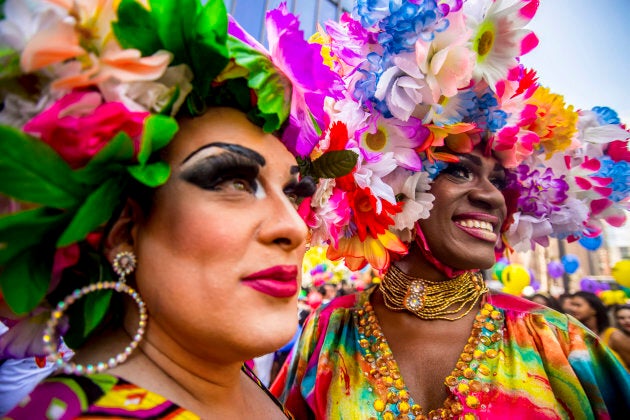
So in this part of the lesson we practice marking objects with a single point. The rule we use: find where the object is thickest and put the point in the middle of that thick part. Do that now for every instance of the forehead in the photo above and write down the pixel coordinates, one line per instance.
(480, 158)
(226, 125)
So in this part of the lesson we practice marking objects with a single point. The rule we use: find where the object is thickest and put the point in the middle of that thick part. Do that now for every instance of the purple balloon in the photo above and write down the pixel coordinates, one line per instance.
(532, 280)
(555, 269)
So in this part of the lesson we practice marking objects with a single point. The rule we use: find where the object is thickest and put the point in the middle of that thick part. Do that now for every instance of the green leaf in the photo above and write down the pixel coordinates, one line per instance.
(95, 308)
(101, 166)
(207, 45)
(10, 64)
(136, 28)
(334, 164)
(175, 23)
(152, 175)
(31, 171)
(97, 209)
(272, 88)
(305, 166)
(24, 280)
(158, 132)
(22, 230)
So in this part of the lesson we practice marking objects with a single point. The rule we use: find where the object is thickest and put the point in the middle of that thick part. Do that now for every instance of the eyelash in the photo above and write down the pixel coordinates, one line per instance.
(298, 191)
(459, 170)
(222, 169)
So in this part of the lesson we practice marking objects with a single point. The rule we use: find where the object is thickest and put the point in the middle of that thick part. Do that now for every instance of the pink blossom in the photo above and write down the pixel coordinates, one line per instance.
(79, 125)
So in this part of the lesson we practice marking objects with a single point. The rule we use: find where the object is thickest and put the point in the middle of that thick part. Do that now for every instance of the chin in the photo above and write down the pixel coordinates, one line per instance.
(273, 330)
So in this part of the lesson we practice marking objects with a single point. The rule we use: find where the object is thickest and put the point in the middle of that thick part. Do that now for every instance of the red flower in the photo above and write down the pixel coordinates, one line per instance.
(366, 218)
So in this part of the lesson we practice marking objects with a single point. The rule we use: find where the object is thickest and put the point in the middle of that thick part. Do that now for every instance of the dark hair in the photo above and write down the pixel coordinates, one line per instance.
(601, 313)
(551, 302)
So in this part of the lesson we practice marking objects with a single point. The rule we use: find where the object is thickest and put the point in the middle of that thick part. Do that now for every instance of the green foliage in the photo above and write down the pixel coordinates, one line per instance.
(333, 164)
(95, 210)
(25, 278)
(31, 171)
(193, 33)
(273, 89)
(95, 309)
(25, 229)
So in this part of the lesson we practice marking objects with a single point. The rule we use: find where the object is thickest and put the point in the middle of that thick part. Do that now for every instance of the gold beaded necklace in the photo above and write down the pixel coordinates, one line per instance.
(432, 299)
(469, 384)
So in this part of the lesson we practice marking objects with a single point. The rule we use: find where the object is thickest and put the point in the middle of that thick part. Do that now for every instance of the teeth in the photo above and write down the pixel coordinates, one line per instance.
(477, 224)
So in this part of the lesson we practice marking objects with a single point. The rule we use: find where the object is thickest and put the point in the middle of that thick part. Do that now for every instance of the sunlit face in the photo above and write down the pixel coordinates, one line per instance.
(581, 309)
(623, 319)
(469, 208)
(220, 253)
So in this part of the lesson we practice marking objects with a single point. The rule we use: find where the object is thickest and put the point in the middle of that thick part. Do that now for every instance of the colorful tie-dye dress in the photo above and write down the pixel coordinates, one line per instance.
(527, 362)
(65, 397)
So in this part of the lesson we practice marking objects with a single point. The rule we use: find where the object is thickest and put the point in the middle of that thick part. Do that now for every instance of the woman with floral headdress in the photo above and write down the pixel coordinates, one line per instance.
(462, 156)
(150, 149)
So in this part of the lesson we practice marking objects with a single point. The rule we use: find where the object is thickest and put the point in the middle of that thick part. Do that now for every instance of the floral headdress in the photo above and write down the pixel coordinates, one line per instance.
(424, 74)
(90, 89)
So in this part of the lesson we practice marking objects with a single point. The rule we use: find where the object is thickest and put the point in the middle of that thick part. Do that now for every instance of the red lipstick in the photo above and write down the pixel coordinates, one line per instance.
(279, 281)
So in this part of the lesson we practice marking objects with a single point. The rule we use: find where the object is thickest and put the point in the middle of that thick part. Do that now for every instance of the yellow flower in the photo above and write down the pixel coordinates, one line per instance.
(556, 122)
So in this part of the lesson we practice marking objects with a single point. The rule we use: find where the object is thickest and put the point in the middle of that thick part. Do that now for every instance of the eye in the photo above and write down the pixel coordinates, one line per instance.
(499, 182)
(296, 191)
(237, 184)
(226, 172)
(457, 170)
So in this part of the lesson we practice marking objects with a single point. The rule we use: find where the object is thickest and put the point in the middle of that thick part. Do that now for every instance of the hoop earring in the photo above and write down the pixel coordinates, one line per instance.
(123, 265)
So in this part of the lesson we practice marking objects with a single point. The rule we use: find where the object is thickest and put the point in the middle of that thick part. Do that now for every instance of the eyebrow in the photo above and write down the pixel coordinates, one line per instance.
(234, 148)
(477, 161)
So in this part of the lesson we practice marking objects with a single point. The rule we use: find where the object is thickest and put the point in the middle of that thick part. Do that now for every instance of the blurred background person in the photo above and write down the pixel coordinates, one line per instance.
(589, 309)
(618, 337)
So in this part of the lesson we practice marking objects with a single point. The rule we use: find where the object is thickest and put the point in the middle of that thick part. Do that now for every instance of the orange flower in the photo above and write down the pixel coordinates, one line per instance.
(375, 251)
(459, 137)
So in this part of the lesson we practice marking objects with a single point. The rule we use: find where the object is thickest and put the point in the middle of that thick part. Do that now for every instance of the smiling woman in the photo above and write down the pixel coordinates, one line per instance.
(150, 155)
(462, 157)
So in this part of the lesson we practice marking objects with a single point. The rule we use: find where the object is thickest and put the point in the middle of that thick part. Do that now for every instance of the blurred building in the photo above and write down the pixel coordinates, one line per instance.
(250, 13)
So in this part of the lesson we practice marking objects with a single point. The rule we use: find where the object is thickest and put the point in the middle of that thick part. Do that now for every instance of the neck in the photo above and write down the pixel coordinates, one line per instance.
(198, 382)
(415, 264)
(591, 323)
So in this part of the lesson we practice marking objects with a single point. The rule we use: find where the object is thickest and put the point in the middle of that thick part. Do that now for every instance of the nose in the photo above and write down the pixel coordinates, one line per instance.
(486, 195)
(283, 225)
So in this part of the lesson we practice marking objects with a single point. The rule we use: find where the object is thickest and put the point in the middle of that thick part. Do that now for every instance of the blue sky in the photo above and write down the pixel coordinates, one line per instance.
(584, 52)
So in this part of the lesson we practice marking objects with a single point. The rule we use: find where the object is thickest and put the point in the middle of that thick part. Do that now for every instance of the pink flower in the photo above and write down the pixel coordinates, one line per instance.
(79, 125)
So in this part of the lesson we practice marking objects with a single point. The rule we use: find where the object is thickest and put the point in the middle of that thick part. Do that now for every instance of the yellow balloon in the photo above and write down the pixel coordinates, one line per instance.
(514, 278)
(621, 272)
(613, 297)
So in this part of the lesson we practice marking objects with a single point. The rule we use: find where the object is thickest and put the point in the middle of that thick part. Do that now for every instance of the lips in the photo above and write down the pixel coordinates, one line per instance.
(279, 281)
(478, 225)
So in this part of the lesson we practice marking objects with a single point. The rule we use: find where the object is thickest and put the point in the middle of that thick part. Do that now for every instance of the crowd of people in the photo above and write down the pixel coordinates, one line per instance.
(611, 323)
(163, 174)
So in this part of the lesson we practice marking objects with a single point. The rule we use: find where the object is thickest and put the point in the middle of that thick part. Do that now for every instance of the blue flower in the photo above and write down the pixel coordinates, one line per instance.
(620, 174)
(409, 21)
(433, 168)
(371, 11)
(497, 120)
(606, 115)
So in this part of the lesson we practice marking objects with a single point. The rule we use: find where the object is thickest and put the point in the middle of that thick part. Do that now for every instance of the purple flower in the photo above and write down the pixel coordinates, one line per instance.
(311, 80)
(541, 193)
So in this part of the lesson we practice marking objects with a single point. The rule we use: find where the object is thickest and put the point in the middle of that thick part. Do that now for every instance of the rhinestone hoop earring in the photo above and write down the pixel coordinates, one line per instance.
(123, 265)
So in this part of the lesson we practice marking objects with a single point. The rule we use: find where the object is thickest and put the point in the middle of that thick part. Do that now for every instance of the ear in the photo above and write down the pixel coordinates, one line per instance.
(124, 232)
